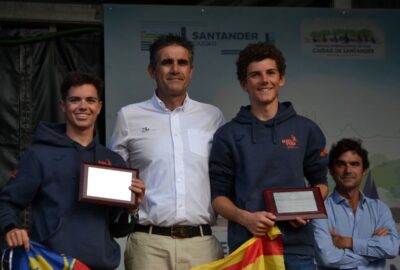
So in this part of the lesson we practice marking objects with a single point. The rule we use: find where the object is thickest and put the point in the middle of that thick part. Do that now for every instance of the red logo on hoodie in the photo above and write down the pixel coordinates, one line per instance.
(290, 142)
(105, 162)
(14, 173)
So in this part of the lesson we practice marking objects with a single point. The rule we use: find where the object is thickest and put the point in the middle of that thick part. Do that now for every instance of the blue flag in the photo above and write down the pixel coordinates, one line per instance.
(38, 258)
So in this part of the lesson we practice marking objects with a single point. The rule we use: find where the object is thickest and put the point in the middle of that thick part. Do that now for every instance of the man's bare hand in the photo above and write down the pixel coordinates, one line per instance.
(18, 237)
(258, 223)
(137, 186)
(341, 242)
(298, 222)
(381, 232)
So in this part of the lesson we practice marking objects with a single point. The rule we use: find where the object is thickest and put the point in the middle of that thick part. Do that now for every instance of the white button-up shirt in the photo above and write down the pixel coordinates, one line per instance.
(171, 150)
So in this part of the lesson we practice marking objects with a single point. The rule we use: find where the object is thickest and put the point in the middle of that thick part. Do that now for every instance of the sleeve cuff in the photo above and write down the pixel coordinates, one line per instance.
(359, 246)
(9, 227)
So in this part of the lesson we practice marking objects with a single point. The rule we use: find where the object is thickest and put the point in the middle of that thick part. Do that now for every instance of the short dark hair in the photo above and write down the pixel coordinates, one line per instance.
(256, 52)
(163, 41)
(345, 145)
(73, 79)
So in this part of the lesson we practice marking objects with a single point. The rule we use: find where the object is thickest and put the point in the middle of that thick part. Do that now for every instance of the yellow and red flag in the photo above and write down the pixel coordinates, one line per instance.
(258, 253)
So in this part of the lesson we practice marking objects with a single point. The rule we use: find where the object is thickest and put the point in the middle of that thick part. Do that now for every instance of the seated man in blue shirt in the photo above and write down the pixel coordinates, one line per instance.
(360, 232)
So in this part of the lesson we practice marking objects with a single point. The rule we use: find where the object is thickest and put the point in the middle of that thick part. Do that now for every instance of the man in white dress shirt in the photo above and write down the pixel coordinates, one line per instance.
(168, 138)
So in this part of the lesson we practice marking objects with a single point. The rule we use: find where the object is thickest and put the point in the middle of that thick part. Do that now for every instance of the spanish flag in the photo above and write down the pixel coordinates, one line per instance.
(38, 257)
(258, 253)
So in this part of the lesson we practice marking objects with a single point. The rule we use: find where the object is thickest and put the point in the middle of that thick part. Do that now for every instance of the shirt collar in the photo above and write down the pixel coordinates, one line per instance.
(362, 198)
(337, 198)
(158, 103)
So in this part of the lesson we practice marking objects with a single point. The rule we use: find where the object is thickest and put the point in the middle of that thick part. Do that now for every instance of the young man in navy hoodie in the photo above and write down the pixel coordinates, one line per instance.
(48, 179)
(267, 145)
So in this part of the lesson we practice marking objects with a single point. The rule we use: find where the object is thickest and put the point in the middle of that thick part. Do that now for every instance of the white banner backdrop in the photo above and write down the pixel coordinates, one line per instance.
(343, 69)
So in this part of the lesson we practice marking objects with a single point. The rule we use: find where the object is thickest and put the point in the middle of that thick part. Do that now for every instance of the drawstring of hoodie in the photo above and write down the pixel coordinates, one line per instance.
(274, 135)
(253, 131)
(86, 153)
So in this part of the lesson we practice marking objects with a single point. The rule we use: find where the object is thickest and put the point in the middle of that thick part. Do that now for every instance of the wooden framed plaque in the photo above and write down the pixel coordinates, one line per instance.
(289, 203)
(105, 184)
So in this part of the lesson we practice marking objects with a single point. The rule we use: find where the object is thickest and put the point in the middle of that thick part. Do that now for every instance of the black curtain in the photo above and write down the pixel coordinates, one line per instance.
(33, 62)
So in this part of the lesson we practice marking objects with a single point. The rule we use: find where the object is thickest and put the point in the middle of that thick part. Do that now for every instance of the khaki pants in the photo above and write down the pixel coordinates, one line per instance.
(146, 251)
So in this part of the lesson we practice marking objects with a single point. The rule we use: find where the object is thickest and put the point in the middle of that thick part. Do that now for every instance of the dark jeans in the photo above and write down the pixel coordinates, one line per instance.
(299, 262)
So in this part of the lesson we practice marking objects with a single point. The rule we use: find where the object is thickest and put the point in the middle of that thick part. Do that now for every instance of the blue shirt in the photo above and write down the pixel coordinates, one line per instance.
(369, 251)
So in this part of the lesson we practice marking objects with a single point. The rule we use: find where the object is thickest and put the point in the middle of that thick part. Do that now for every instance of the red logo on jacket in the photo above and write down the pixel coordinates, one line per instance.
(290, 142)
(14, 174)
(106, 162)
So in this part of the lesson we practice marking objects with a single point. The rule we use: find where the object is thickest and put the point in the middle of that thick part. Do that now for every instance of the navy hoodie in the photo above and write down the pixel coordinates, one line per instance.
(249, 155)
(48, 178)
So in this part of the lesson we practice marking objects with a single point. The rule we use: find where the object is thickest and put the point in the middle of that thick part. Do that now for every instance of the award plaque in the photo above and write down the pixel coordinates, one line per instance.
(289, 203)
(105, 184)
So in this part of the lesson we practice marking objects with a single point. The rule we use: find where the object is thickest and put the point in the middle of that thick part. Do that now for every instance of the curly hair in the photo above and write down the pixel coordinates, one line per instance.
(345, 145)
(256, 52)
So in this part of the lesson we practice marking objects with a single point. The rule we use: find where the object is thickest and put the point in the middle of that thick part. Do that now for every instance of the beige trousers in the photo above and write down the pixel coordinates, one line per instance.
(146, 251)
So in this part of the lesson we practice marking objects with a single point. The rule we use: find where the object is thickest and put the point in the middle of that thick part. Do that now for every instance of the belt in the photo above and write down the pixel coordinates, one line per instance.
(179, 231)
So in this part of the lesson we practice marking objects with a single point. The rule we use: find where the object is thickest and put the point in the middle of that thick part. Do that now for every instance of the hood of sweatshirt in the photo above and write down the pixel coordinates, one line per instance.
(246, 117)
(54, 134)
